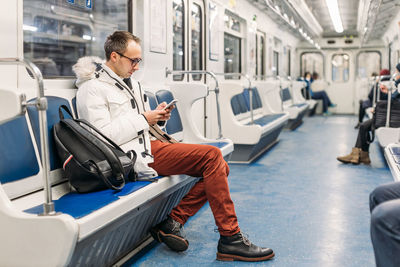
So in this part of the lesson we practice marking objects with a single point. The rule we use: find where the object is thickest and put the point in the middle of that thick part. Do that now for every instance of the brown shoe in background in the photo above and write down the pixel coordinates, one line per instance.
(353, 157)
(364, 157)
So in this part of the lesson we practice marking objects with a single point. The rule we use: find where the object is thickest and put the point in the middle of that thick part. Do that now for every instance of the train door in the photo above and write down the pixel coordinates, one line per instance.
(189, 48)
(342, 87)
(188, 38)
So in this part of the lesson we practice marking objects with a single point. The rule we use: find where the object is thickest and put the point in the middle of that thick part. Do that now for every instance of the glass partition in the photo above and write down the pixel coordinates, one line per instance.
(58, 32)
(340, 67)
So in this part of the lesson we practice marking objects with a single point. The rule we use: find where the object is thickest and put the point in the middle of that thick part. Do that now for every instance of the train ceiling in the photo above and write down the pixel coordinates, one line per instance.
(310, 19)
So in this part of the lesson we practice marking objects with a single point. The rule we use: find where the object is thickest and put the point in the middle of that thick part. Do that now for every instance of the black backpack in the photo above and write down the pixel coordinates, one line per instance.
(90, 163)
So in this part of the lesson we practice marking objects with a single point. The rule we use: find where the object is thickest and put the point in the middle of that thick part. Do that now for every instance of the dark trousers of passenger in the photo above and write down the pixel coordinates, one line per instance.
(326, 102)
(364, 104)
(198, 161)
(384, 205)
(363, 135)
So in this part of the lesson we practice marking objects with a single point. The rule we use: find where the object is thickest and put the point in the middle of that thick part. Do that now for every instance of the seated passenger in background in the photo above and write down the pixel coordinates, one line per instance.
(320, 94)
(113, 102)
(384, 203)
(360, 153)
(364, 104)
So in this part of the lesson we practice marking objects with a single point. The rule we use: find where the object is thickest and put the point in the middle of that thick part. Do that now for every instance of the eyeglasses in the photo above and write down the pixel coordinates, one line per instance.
(134, 61)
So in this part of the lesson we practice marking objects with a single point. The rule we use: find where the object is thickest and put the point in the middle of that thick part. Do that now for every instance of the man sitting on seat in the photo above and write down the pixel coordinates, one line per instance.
(113, 102)
(364, 104)
(360, 152)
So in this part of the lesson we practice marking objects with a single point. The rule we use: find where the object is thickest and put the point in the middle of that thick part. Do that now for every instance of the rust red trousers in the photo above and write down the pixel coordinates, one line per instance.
(198, 161)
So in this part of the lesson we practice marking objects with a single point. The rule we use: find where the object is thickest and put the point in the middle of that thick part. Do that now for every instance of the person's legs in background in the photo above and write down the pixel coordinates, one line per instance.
(359, 153)
(385, 224)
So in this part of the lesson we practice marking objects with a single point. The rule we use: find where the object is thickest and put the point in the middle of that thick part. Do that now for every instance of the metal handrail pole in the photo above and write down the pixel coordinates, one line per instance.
(216, 90)
(41, 105)
(389, 103)
(250, 90)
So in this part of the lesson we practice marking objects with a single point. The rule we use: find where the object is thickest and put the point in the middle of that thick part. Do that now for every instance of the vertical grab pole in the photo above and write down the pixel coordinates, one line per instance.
(216, 90)
(41, 105)
(389, 105)
(374, 92)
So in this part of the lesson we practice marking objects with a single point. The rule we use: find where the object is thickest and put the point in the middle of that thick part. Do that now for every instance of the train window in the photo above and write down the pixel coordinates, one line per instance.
(178, 38)
(196, 27)
(312, 62)
(231, 22)
(275, 67)
(367, 63)
(260, 54)
(57, 33)
(340, 67)
(232, 52)
(286, 63)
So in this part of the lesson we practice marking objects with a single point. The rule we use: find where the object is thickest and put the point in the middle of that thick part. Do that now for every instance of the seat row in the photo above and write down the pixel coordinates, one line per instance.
(101, 227)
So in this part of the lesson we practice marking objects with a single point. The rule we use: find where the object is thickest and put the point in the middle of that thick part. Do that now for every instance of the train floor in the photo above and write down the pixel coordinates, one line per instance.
(297, 199)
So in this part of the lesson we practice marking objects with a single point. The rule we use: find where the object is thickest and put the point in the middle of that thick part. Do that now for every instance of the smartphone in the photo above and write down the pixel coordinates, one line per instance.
(170, 104)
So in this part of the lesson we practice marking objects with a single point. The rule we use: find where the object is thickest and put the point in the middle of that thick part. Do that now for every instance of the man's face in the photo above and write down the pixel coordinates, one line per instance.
(123, 64)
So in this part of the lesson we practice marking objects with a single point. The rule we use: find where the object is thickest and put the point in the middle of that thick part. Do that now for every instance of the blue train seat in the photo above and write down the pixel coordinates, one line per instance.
(251, 137)
(392, 155)
(174, 125)
(296, 110)
(93, 229)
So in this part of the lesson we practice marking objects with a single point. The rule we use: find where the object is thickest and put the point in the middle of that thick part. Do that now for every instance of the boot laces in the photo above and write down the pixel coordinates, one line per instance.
(245, 238)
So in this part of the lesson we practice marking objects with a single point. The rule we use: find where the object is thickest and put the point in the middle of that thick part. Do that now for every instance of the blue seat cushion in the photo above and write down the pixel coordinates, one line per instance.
(256, 100)
(267, 119)
(174, 124)
(79, 205)
(217, 144)
(54, 103)
(300, 105)
(285, 94)
(395, 150)
(18, 159)
(152, 100)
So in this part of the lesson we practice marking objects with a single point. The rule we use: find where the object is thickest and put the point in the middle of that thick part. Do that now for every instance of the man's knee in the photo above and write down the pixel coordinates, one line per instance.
(376, 196)
(385, 217)
(213, 153)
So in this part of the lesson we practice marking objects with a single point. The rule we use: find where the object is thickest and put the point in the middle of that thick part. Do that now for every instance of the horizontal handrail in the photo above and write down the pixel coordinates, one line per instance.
(216, 90)
(41, 105)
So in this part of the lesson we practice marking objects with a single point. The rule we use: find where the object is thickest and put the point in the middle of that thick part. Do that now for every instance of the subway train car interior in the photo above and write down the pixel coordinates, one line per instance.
(200, 133)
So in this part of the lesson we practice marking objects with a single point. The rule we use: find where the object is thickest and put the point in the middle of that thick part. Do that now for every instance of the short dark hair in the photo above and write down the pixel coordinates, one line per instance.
(118, 41)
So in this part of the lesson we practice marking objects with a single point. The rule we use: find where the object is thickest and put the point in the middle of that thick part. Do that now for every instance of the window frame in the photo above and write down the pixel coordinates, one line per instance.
(129, 27)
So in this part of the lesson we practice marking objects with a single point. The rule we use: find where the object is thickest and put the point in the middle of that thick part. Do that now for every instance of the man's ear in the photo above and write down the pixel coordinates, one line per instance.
(113, 57)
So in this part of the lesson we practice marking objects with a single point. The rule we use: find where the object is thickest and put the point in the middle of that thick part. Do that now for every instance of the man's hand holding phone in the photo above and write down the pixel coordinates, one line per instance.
(170, 106)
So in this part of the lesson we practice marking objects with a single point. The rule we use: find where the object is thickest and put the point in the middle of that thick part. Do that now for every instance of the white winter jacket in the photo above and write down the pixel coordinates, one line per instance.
(105, 100)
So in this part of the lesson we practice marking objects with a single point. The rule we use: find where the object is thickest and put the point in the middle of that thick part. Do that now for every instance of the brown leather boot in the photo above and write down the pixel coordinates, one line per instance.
(364, 157)
(353, 157)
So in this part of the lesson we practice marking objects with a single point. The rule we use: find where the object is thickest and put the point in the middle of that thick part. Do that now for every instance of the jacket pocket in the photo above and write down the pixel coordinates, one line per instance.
(118, 104)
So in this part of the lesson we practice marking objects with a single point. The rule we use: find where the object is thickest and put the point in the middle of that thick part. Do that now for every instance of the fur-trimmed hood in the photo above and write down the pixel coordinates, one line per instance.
(85, 69)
